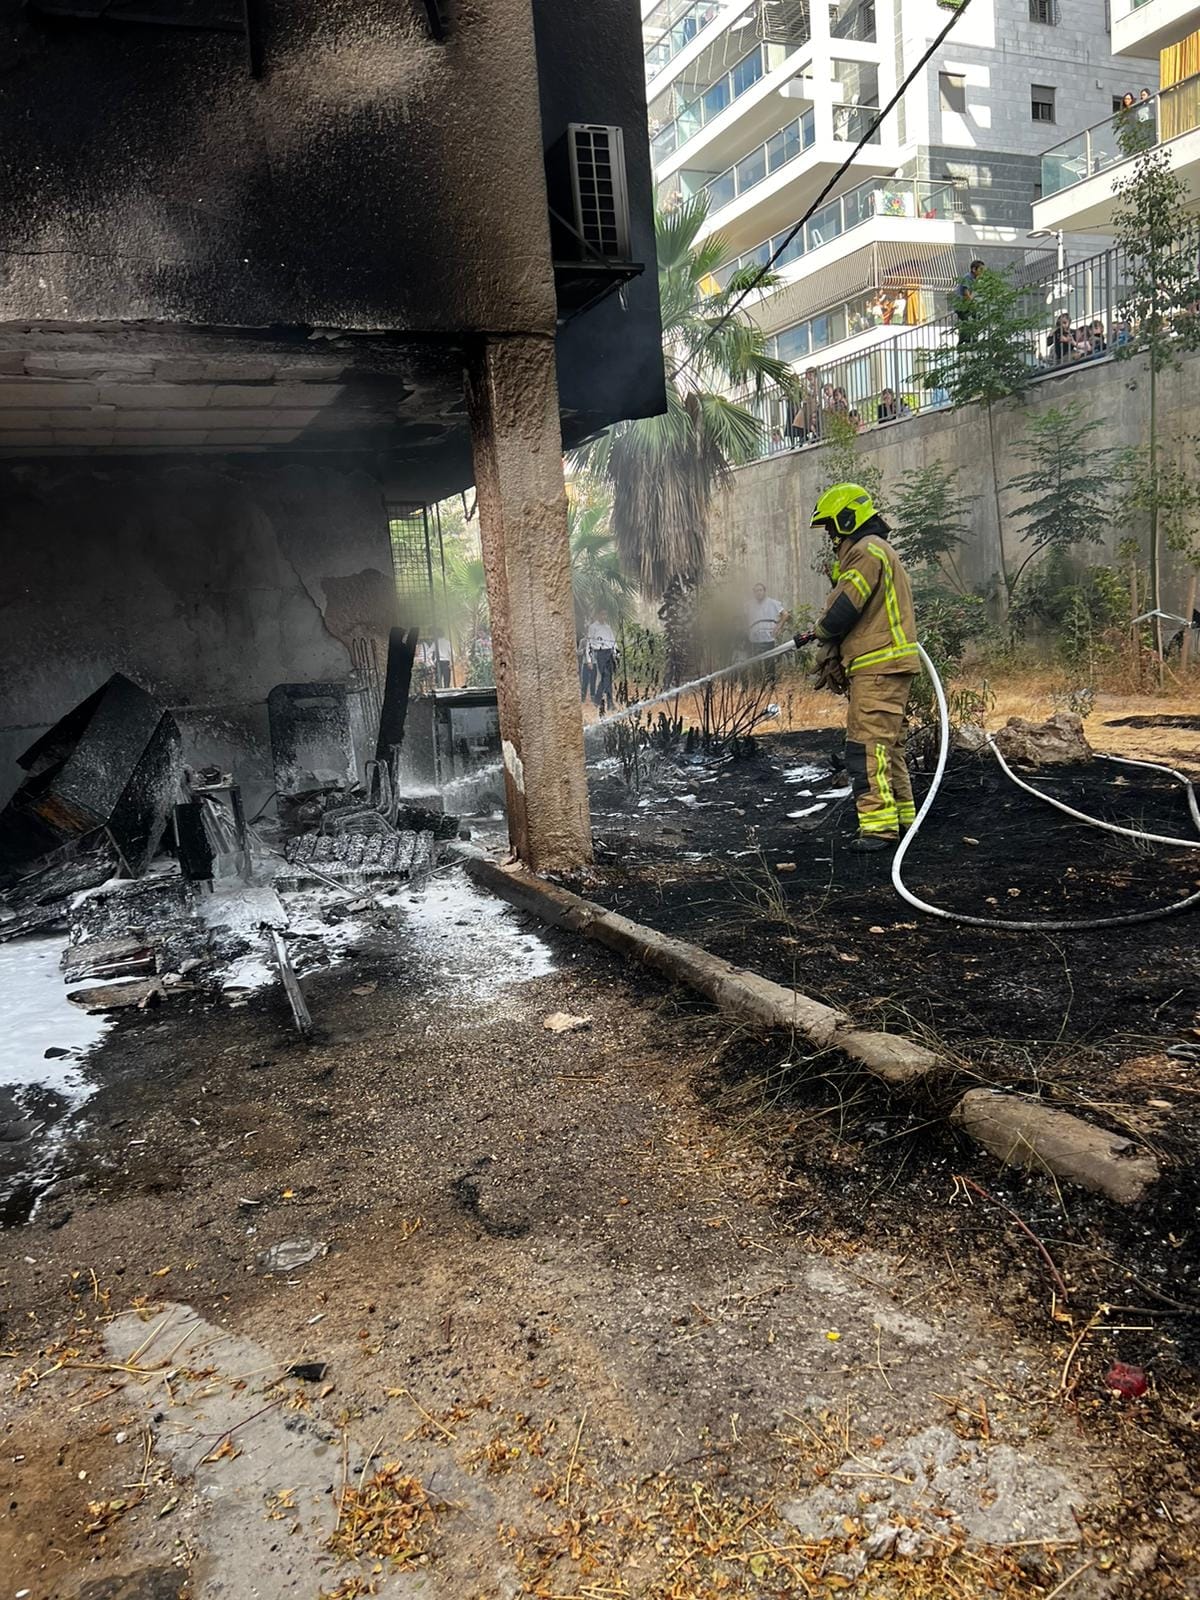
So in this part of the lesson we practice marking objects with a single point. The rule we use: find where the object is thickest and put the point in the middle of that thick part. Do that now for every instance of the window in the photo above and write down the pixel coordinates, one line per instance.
(953, 89)
(1041, 102)
(1044, 11)
(792, 343)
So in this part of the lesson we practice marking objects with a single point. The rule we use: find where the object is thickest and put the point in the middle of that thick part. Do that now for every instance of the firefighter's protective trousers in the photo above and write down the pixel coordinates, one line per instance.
(875, 751)
(870, 618)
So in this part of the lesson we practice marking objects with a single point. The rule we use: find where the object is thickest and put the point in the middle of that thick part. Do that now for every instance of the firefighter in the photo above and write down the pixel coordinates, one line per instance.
(867, 647)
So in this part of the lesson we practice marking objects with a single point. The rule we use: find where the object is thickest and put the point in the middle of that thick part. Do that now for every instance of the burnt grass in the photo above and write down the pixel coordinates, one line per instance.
(1081, 1019)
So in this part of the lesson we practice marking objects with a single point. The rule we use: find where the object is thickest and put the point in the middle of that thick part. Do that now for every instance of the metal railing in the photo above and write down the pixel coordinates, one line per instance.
(721, 94)
(877, 197)
(856, 21)
(1163, 116)
(896, 378)
(685, 25)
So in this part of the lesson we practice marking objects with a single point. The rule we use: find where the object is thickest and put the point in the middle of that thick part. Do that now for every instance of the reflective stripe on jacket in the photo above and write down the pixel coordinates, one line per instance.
(870, 612)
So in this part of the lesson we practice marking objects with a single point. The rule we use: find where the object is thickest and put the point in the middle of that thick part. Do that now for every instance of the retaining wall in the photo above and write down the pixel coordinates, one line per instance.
(760, 520)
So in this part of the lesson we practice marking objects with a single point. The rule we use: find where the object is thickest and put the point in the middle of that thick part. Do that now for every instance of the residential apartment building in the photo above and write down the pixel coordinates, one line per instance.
(758, 105)
(1160, 40)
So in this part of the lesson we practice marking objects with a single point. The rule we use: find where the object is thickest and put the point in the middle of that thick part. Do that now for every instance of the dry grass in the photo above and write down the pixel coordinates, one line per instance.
(1034, 693)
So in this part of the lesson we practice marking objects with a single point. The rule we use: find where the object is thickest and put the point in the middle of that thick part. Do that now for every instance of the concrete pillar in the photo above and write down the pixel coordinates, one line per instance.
(512, 398)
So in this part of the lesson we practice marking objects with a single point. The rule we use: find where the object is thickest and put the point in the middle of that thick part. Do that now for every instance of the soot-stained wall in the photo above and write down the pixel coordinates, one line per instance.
(370, 178)
(207, 581)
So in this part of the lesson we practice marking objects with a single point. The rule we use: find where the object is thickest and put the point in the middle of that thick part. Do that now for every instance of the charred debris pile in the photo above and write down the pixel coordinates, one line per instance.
(163, 884)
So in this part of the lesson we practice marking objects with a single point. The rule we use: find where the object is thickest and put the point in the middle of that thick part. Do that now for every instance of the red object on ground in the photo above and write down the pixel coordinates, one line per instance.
(1126, 1380)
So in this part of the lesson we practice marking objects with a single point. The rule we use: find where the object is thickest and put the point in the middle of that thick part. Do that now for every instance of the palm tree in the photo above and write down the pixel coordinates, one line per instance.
(599, 583)
(665, 470)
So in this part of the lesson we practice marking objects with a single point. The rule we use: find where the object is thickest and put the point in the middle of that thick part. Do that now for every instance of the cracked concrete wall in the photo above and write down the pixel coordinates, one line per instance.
(208, 581)
(369, 178)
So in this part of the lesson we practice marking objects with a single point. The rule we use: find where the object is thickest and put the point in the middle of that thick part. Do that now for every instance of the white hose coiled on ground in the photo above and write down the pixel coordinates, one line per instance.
(1079, 816)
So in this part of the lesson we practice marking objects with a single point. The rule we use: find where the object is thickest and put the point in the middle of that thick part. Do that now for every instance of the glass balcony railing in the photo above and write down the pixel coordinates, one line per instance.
(682, 22)
(878, 197)
(1162, 117)
(729, 87)
(776, 152)
(849, 123)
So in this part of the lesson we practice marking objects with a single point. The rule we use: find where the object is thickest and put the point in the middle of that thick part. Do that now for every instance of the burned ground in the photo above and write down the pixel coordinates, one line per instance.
(657, 1308)
(744, 858)
(1082, 1020)
(578, 1286)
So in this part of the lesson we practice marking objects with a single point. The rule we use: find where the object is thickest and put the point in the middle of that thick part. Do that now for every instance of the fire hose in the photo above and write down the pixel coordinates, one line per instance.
(1046, 926)
(1079, 816)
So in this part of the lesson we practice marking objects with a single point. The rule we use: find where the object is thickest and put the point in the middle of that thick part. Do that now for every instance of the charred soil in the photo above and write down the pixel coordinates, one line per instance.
(748, 858)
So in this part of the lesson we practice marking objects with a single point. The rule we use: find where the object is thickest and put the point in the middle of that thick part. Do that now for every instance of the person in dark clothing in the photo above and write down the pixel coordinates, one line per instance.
(1062, 342)
(965, 307)
(889, 408)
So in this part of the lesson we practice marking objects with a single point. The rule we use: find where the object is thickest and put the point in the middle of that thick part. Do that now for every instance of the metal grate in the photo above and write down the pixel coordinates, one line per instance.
(598, 180)
(786, 22)
(412, 563)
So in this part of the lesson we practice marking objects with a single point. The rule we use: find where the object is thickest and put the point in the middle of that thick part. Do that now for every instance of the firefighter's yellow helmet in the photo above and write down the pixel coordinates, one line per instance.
(843, 510)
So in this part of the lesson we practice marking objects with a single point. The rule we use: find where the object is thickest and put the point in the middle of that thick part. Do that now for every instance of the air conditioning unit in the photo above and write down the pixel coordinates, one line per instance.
(598, 196)
(590, 231)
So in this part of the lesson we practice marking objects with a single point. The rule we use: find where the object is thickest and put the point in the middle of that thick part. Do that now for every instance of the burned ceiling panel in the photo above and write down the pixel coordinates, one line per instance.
(139, 391)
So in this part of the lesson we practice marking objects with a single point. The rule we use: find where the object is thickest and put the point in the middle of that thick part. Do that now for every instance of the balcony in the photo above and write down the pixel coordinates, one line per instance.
(1078, 175)
(877, 197)
(1142, 28)
(718, 97)
(671, 27)
(849, 125)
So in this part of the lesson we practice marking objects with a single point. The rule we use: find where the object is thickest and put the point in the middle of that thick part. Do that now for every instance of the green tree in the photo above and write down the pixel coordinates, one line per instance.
(843, 459)
(665, 470)
(929, 521)
(1159, 482)
(1158, 236)
(1067, 484)
(598, 580)
(992, 363)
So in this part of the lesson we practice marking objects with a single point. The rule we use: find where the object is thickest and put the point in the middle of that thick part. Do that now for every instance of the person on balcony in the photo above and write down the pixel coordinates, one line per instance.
(1061, 346)
(889, 408)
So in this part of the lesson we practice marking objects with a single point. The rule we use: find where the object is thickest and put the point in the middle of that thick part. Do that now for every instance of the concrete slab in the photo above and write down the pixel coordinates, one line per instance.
(151, 396)
(28, 394)
(265, 1474)
(1023, 1133)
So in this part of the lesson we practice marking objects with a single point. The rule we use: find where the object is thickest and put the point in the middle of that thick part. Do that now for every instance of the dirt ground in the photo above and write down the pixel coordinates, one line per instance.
(595, 1318)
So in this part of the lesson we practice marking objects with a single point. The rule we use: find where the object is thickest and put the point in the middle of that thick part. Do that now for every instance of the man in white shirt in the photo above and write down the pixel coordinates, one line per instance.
(602, 653)
(764, 617)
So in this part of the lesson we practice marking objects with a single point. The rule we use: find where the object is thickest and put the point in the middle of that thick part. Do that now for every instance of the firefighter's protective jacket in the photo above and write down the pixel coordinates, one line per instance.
(870, 613)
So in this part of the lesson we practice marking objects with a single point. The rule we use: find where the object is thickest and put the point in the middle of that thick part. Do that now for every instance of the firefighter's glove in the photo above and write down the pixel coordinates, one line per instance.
(829, 672)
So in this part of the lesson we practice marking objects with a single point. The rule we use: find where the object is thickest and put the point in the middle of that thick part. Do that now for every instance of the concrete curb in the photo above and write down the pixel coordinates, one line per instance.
(1022, 1133)
(896, 1060)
